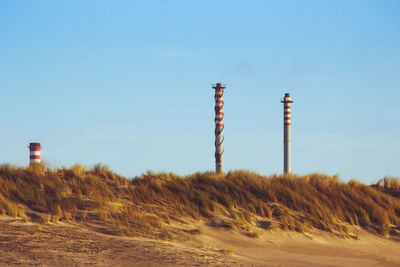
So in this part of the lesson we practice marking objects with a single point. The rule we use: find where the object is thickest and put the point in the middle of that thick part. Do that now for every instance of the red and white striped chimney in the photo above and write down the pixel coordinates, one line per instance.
(219, 125)
(34, 153)
(287, 121)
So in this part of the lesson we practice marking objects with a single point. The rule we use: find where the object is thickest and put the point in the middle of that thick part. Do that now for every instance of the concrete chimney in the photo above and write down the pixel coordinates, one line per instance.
(287, 121)
(219, 126)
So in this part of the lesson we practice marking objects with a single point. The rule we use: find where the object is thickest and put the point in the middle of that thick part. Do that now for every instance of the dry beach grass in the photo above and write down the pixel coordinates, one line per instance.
(201, 213)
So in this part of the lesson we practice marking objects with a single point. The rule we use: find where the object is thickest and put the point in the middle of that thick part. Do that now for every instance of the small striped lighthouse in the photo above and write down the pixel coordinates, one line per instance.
(219, 126)
(287, 121)
(34, 154)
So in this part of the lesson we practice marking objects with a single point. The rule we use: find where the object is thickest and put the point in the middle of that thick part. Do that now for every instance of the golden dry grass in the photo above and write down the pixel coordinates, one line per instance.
(299, 203)
(237, 200)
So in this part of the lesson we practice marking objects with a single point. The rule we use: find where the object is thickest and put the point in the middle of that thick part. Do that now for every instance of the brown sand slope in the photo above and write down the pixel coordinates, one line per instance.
(279, 248)
(60, 244)
(26, 244)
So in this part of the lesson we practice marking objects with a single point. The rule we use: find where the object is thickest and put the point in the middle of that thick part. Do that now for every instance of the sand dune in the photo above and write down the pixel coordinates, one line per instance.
(280, 248)
(66, 244)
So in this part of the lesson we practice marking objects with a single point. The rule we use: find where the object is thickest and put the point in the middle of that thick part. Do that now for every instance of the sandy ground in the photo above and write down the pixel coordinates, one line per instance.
(293, 249)
(27, 244)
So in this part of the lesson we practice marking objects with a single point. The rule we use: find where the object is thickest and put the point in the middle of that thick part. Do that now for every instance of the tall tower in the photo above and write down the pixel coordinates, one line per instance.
(287, 121)
(34, 154)
(219, 125)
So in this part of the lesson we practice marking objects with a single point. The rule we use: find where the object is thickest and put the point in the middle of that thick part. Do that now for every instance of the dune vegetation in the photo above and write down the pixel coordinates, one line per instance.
(150, 204)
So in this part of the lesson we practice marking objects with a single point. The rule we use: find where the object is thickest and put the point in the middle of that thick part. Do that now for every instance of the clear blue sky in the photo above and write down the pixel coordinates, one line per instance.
(128, 84)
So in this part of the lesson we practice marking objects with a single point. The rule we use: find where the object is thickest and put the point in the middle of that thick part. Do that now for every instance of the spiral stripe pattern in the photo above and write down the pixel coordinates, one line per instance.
(219, 125)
